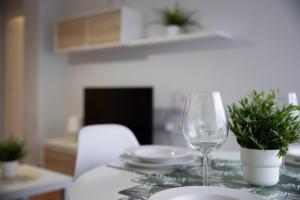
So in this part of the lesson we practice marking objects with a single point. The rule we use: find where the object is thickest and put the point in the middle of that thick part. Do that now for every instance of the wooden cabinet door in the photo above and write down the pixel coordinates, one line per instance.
(71, 33)
(105, 28)
(59, 161)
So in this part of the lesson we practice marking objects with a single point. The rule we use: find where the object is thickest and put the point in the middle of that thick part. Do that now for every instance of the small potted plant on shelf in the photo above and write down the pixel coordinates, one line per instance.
(11, 151)
(176, 20)
(264, 129)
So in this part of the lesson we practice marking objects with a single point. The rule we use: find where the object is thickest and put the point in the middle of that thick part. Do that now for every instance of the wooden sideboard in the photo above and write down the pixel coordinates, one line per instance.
(60, 155)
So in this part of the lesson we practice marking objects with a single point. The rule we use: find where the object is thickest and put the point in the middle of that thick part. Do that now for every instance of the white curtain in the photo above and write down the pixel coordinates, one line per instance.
(14, 77)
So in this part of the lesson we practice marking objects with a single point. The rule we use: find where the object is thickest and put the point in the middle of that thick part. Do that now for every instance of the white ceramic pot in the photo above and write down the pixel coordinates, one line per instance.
(261, 167)
(173, 30)
(9, 169)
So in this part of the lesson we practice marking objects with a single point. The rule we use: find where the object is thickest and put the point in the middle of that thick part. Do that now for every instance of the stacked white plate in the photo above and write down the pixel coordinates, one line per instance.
(293, 155)
(157, 156)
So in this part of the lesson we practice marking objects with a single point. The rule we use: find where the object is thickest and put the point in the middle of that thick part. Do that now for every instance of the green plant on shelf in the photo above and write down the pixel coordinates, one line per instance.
(177, 16)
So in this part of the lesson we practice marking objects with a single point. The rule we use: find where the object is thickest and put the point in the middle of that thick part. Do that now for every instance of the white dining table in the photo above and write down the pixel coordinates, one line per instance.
(105, 182)
(31, 181)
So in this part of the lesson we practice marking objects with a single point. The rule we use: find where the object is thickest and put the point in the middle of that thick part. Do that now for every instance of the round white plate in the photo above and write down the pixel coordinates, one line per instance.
(158, 153)
(203, 192)
(137, 163)
(292, 161)
(294, 153)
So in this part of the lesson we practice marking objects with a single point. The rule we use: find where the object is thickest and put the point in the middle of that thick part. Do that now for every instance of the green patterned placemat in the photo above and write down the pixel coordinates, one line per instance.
(224, 173)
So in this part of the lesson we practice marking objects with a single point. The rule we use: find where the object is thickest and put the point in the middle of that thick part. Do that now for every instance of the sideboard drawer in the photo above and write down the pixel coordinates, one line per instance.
(59, 161)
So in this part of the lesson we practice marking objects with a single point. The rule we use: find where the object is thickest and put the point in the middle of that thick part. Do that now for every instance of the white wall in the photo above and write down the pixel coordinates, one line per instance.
(30, 93)
(44, 86)
(51, 75)
(264, 53)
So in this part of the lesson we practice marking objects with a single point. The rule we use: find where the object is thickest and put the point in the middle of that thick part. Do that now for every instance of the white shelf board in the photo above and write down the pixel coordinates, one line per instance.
(202, 35)
(90, 48)
(182, 37)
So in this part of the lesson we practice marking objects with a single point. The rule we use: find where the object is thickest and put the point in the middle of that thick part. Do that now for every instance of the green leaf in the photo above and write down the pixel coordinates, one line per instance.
(177, 16)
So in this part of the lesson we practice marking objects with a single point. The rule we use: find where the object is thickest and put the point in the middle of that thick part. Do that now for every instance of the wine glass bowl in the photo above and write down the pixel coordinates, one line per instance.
(205, 124)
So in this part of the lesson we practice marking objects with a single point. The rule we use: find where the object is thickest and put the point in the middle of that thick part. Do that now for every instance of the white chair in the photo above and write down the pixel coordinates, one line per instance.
(102, 144)
(292, 98)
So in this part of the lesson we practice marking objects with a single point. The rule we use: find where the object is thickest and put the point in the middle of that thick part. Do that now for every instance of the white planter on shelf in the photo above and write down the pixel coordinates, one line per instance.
(261, 167)
(173, 30)
(9, 169)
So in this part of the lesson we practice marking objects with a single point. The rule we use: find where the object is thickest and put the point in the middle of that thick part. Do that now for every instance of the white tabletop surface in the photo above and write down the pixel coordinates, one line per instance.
(31, 180)
(105, 183)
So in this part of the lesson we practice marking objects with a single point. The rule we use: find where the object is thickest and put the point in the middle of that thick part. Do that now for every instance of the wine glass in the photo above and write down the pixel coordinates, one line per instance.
(205, 124)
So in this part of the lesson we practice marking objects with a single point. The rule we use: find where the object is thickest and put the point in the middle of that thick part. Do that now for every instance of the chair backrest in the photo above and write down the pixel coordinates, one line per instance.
(102, 144)
(292, 98)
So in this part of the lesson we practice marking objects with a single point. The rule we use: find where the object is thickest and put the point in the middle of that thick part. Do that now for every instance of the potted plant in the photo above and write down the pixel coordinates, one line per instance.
(176, 20)
(264, 129)
(11, 151)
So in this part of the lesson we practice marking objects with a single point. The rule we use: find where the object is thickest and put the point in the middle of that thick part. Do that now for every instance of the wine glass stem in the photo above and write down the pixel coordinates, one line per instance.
(283, 168)
(205, 170)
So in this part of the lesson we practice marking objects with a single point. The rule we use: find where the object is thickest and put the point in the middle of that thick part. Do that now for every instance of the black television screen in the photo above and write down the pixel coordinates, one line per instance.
(131, 107)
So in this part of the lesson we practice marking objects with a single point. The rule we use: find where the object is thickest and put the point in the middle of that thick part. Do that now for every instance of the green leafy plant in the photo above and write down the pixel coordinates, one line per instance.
(177, 16)
(11, 150)
(259, 122)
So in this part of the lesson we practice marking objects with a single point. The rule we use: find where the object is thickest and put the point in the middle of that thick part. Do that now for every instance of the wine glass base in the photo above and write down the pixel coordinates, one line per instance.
(214, 182)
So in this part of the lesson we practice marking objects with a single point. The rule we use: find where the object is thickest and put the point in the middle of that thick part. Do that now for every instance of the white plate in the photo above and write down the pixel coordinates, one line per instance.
(158, 153)
(294, 152)
(137, 163)
(203, 192)
(292, 161)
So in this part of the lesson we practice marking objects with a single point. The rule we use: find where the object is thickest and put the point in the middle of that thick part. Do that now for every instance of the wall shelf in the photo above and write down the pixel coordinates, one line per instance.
(202, 35)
